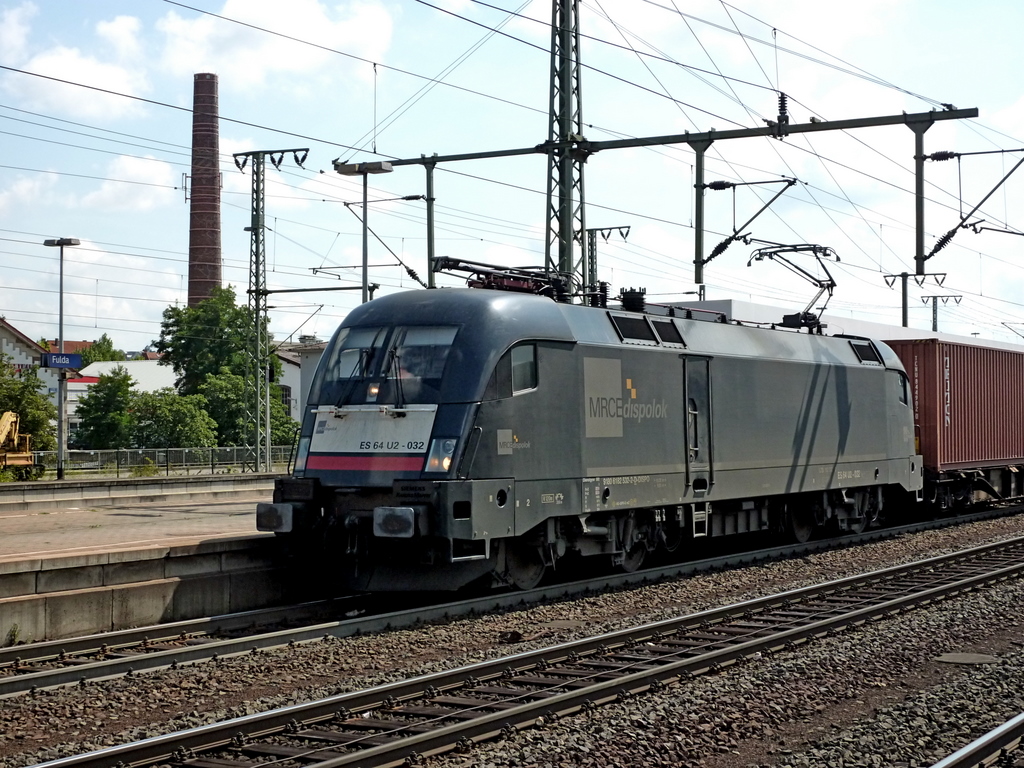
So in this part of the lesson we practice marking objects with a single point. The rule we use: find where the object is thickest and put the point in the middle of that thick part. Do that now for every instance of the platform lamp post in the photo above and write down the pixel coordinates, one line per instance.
(62, 373)
(364, 170)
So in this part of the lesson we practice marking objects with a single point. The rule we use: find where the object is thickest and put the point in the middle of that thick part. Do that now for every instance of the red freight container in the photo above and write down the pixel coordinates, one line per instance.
(968, 403)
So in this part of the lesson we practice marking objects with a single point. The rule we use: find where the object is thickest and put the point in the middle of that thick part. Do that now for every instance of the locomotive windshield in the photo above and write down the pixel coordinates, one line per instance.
(386, 365)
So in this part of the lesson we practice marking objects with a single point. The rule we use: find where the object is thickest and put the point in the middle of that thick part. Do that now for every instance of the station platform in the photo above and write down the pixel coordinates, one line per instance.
(67, 571)
(45, 532)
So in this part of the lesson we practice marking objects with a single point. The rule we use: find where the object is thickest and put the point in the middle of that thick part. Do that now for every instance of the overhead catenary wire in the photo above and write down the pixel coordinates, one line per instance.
(525, 226)
(176, 187)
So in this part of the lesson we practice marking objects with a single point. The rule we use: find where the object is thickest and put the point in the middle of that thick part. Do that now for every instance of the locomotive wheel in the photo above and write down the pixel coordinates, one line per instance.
(859, 524)
(868, 507)
(525, 566)
(632, 560)
(634, 533)
(801, 522)
(671, 535)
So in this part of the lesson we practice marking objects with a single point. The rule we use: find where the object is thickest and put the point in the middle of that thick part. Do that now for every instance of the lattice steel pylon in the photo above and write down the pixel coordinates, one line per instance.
(566, 149)
(257, 373)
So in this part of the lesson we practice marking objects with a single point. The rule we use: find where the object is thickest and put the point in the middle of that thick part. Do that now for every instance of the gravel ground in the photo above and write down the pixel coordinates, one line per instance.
(868, 697)
(783, 710)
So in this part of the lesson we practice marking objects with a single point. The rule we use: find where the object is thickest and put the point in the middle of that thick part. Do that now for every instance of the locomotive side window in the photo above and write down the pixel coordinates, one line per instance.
(515, 372)
(903, 388)
(524, 368)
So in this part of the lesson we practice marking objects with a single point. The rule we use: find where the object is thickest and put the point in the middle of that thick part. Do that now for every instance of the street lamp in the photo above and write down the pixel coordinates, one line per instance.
(62, 373)
(364, 170)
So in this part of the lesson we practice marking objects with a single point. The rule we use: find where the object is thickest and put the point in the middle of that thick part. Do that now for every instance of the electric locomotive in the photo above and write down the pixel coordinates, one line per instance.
(461, 434)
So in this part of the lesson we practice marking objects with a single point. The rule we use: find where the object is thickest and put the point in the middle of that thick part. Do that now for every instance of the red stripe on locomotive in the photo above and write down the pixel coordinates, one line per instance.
(366, 463)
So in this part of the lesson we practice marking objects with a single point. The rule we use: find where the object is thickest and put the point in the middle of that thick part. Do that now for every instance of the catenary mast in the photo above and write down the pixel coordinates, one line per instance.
(566, 156)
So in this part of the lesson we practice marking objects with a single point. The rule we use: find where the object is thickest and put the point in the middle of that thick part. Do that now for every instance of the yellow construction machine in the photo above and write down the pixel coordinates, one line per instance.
(15, 448)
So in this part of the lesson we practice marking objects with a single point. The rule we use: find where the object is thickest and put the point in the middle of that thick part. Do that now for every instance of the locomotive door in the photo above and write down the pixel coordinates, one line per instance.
(698, 440)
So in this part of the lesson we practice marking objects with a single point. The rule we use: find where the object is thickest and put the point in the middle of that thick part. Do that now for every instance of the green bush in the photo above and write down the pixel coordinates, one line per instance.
(146, 469)
(13, 635)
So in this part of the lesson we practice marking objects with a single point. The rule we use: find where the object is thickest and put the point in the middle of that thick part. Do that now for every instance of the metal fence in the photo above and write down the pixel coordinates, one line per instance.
(150, 462)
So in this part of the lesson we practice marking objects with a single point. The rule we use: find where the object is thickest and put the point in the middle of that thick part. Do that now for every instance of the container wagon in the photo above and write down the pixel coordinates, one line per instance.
(969, 416)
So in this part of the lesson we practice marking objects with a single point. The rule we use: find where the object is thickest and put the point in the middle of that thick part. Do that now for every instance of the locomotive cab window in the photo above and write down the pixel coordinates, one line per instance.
(354, 354)
(516, 372)
(902, 387)
(384, 365)
(524, 368)
(418, 356)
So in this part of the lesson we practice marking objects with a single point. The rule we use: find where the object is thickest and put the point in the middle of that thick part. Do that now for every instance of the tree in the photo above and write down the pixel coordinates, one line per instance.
(23, 392)
(225, 394)
(165, 419)
(202, 340)
(105, 412)
(101, 349)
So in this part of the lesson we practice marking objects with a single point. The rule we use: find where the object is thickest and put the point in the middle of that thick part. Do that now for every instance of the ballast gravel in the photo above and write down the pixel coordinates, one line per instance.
(875, 696)
(848, 700)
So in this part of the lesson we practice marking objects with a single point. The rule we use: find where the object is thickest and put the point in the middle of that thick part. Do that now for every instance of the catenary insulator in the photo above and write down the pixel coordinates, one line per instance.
(720, 248)
(633, 300)
(943, 241)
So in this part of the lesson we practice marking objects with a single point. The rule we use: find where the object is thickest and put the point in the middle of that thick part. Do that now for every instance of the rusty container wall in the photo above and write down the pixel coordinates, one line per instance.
(204, 257)
(968, 403)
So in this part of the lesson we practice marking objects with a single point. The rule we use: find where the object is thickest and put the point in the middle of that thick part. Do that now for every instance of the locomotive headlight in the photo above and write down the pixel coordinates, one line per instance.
(439, 458)
(371, 393)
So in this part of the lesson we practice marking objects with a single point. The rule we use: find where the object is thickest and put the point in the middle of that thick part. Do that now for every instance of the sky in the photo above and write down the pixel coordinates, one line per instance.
(95, 124)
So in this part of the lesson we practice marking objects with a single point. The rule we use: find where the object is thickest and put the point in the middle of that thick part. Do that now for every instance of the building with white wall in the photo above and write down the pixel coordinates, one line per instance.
(25, 353)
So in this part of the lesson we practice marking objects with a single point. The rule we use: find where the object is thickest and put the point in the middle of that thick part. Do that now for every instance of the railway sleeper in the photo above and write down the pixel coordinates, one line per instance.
(433, 712)
(282, 750)
(340, 737)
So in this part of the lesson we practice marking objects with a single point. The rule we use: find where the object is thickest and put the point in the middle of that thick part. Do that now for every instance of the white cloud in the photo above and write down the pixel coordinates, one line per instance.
(151, 191)
(26, 192)
(62, 99)
(14, 30)
(246, 57)
(123, 34)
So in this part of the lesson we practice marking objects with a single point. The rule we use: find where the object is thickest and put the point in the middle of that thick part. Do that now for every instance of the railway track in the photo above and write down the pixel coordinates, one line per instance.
(36, 666)
(989, 748)
(60, 662)
(437, 713)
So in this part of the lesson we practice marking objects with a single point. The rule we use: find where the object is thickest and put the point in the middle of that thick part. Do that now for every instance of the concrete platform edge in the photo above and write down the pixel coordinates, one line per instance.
(63, 494)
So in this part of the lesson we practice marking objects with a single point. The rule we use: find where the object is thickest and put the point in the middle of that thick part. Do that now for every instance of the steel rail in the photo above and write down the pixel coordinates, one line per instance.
(14, 685)
(51, 650)
(177, 747)
(986, 749)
